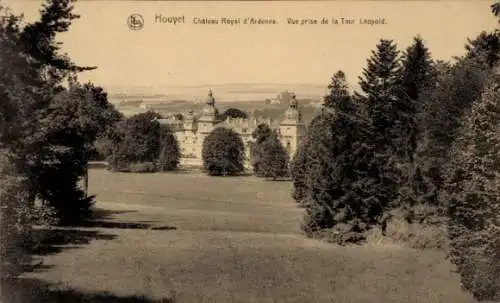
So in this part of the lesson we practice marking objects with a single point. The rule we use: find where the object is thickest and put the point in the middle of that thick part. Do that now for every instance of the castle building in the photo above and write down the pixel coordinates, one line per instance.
(192, 130)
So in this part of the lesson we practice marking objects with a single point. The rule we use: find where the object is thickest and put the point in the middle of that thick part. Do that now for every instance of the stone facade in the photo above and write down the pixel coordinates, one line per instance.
(192, 130)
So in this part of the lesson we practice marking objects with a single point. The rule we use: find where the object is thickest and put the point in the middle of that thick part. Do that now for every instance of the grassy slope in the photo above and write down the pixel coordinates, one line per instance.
(236, 240)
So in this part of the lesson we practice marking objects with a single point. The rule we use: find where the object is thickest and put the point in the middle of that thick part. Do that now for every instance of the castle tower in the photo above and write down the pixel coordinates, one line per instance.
(208, 120)
(292, 129)
(189, 121)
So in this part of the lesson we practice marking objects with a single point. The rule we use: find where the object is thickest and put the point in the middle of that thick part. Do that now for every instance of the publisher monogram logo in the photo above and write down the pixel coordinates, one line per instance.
(135, 22)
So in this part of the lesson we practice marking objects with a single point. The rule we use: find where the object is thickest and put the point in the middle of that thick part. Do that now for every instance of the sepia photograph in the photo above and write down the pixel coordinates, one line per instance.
(249, 151)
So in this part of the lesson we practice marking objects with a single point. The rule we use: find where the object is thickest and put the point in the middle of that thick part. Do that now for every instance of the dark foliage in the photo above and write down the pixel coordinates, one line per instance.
(223, 152)
(417, 77)
(446, 104)
(233, 113)
(260, 134)
(38, 291)
(136, 139)
(339, 92)
(471, 192)
(298, 170)
(484, 48)
(170, 154)
(382, 105)
(270, 158)
(48, 128)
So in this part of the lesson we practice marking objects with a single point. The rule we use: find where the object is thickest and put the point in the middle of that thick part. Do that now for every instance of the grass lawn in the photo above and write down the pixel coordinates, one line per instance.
(215, 239)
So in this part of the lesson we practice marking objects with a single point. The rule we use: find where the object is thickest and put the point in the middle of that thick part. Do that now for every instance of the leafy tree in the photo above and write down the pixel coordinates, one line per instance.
(170, 153)
(260, 134)
(452, 96)
(273, 158)
(233, 113)
(35, 93)
(32, 71)
(472, 187)
(223, 152)
(136, 139)
(70, 127)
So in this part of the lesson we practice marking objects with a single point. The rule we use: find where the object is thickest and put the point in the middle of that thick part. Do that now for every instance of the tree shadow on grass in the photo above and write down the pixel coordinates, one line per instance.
(55, 240)
(104, 218)
(21, 290)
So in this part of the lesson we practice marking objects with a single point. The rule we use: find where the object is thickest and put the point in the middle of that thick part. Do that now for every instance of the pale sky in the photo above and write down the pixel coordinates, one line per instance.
(194, 54)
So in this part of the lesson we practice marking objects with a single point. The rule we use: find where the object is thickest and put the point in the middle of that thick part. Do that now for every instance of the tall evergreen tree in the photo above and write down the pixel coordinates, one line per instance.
(452, 96)
(484, 48)
(472, 193)
(344, 177)
(299, 169)
(380, 103)
(317, 180)
(417, 77)
(417, 71)
(379, 84)
(273, 162)
(339, 95)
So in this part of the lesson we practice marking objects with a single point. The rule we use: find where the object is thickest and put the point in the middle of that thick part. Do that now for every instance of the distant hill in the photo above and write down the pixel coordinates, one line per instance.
(235, 92)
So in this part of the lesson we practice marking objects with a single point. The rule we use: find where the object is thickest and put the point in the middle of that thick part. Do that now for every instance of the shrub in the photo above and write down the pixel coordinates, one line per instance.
(136, 139)
(223, 153)
(143, 167)
(170, 154)
(261, 133)
(272, 158)
(15, 214)
(414, 235)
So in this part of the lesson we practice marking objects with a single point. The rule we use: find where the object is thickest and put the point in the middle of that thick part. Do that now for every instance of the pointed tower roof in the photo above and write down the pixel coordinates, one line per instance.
(210, 112)
(293, 115)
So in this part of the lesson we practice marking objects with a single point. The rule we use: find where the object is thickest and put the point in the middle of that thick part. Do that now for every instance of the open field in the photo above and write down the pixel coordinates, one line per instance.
(215, 239)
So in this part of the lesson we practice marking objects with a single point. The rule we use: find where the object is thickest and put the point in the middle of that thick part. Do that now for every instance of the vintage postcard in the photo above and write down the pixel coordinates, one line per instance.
(249, 151)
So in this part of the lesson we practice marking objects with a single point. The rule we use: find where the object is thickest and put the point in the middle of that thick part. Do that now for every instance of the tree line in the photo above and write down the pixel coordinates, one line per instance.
(49, 122)
(420, 141)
